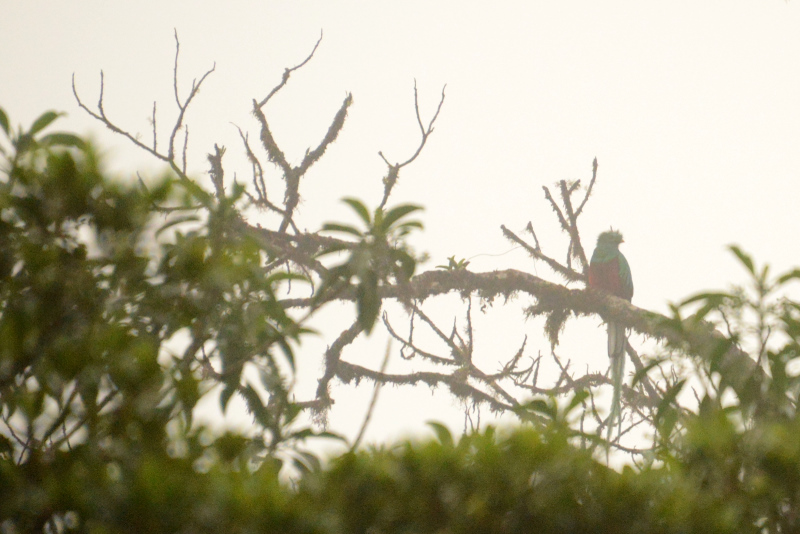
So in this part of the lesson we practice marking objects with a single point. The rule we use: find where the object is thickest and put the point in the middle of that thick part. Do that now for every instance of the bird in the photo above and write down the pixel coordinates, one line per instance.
(609, 272)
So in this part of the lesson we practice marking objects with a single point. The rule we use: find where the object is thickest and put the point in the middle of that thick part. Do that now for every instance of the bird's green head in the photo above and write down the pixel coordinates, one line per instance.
(609, 239)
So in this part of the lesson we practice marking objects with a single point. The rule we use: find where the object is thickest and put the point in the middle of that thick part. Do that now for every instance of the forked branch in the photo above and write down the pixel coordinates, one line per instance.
(183, 107)
(390, 180)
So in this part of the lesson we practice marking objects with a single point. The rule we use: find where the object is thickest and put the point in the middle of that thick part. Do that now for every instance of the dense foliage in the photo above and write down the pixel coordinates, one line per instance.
(109, 337)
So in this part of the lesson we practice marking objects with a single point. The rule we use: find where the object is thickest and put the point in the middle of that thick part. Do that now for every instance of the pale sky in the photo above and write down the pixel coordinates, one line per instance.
(692, 108)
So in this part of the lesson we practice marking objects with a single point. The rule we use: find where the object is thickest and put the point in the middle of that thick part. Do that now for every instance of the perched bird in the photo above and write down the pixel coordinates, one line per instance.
(609, 271)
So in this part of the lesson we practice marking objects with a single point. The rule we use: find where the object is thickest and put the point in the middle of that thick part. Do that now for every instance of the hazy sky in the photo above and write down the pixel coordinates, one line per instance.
(691, 107)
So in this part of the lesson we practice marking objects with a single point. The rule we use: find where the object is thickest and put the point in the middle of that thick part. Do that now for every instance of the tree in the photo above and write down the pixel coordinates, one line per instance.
(124, 305)
(111, 332)
(379, 276)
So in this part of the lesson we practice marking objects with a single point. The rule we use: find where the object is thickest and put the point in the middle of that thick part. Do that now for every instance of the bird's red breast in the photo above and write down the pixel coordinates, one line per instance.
(606, 277)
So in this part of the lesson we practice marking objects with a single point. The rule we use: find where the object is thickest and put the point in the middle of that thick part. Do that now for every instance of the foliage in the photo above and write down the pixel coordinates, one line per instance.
(97, 399)
(122, 307)
(108, 341)
(453, 265)
(380, 256)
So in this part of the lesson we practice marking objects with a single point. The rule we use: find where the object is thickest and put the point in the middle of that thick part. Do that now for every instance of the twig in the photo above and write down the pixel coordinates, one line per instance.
(332, 361)
(574, 237)
(416, 350)
(169, 157)
(374, 399)
(588, 189)
(569, 274)
(288, 72)
(346, 372)
(390, 180)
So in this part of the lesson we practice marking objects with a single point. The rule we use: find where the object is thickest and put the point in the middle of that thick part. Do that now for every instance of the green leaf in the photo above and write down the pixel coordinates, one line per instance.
(327, 434)
(343, 228)
(225, 396)
(335, 248)
(718, 351)
(453, 265)
(668, 399)
(716, 297)
(577, 400)
(791, 275)
(442, 433)
(197, 192)
(711, 301)
(377, 222)
(764, 275)
(359, 208)
(368, 301)
(542, 407)
(407, 226)
(667, 422)
(641, 373)
(306, 462)
(406, 264)
(4, 121)
(62, 139)
(256, 406)
(23, 143)
(309, 432)
(287, 352)
(43, 121)
(282, 276)
(396, 213)
(745, 259)
(176, 221)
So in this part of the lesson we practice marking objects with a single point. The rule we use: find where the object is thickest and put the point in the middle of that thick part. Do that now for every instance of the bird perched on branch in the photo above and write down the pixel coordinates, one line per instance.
(609, 271)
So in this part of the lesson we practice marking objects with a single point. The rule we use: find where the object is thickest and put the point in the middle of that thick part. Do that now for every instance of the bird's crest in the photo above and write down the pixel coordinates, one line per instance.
(610, 237)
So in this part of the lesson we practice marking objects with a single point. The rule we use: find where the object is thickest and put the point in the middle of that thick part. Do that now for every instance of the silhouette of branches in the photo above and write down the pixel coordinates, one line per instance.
(438, 355)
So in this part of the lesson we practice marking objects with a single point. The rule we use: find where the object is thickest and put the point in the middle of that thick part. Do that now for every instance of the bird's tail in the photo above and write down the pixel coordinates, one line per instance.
(616, 355)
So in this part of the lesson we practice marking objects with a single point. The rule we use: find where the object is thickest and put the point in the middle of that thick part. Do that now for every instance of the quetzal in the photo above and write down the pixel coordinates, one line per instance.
(609, 271)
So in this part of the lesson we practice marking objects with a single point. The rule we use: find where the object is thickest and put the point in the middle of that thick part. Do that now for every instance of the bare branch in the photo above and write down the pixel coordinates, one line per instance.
(333, 132)
(300, 249)
(574, 236)
(426, 132)
(101, 116)
(292, 175)
(288, 72)
(374, 399)
(155, 135)
(258, 177)
(588, 189)
(216, 172)
(567, 273)
(417, 351)
(561, 220)
(183, 107)
(390, 180)
(169, 158)
(648, 385)
(347, 372)
(456, 352)
(509, 369)
(529, 228)
(175, 69)
(333, 363)
(274, 153)
(185, 147)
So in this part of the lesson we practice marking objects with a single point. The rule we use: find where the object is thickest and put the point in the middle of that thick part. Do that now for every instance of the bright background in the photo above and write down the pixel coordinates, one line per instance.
(692, 108)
